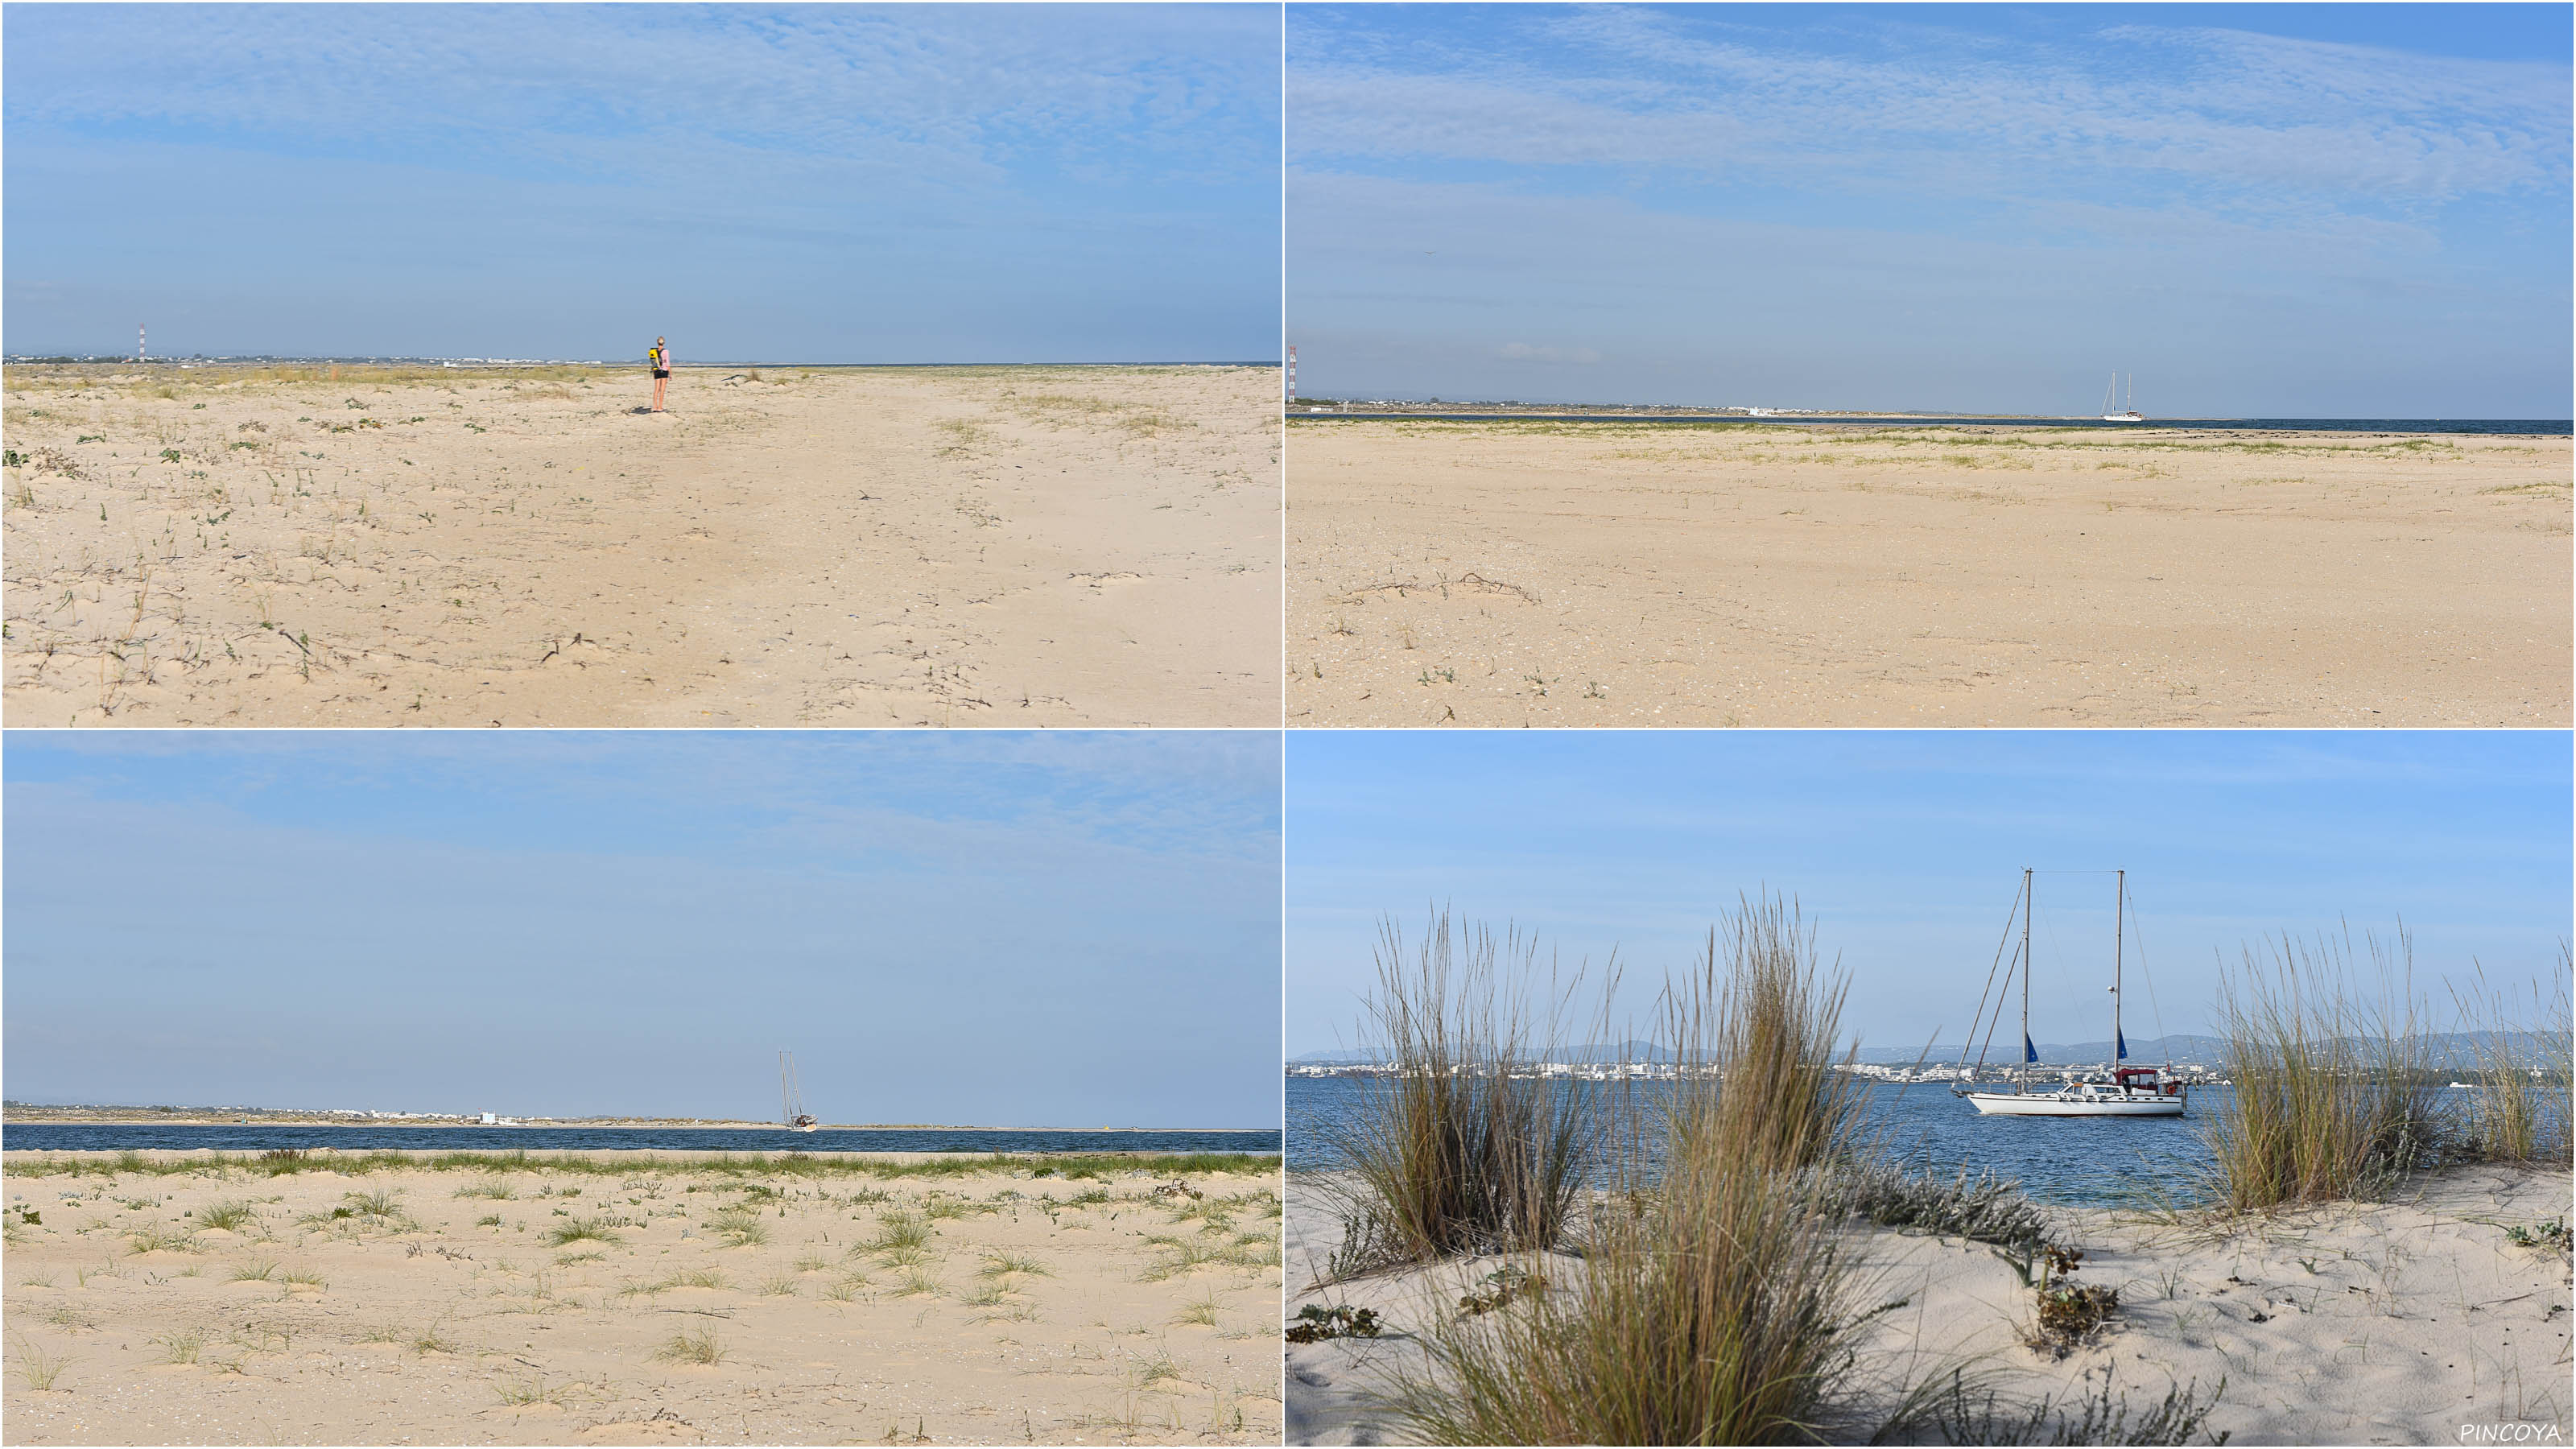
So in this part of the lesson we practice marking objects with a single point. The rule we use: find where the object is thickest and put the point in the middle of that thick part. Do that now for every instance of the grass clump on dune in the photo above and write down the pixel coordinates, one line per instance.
(1461, 1146)
(1710, 1303)
(2519, 1109)
(574, 1230)
(2331, 1095)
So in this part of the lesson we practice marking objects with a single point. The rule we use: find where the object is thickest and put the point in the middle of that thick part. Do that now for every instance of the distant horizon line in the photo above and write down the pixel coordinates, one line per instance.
(1756, 413)
(128, 1114)
(106, 358)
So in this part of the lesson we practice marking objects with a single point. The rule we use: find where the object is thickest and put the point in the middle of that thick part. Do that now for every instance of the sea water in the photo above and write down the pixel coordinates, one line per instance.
(2093, 1161)
(256, 1137)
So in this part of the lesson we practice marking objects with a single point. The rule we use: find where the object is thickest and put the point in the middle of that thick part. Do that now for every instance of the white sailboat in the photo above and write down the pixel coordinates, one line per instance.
(2111, 395)
(791, 1096)
(2131, 1091)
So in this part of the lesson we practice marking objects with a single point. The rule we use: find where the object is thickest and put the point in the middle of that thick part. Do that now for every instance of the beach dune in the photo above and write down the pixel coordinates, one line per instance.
(2412, 1321)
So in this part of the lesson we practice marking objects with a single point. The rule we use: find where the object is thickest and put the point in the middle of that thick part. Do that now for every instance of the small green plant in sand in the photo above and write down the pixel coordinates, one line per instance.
(740, 1227)
(701, 1347)
(895, 1231)
(231, 1217)
(155, 1239)
(1315, 1323)
(257, 1270)
(181, 1348)
(533, 1392)
(1502, 1287)
(574, 1230)
(2547, 1233)
(36, 1368)
(1000, 1263)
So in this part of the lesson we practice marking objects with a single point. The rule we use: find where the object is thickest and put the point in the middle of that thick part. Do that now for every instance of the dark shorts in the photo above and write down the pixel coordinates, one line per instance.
(660, 373)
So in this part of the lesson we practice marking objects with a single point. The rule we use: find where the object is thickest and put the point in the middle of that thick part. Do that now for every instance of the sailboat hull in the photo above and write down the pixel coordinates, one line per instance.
(2061, 1104)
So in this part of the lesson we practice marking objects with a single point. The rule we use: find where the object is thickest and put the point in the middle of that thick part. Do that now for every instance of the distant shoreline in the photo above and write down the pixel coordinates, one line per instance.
(18, 1117)
(2269, 427)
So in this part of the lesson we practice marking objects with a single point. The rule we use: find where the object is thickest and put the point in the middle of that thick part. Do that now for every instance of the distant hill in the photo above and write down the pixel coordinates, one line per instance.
(2000, 1050)
(2444, 1050)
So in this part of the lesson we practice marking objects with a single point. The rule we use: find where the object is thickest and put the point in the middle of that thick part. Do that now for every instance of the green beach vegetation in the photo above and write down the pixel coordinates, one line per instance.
(2336, 1096)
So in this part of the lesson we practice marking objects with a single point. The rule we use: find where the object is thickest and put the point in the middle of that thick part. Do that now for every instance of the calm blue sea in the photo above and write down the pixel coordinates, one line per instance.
(2087, 1160)
(2518, 427)
(62, 1137)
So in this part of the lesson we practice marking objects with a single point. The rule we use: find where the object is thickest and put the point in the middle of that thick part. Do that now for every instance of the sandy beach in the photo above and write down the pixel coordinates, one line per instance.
(1596, 574)
(2387, 1323)
(940, 546)
(658, 1301)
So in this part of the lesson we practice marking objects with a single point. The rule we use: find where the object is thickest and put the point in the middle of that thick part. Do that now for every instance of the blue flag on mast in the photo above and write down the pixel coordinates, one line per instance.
(2122, 1043)
(2029, 1053)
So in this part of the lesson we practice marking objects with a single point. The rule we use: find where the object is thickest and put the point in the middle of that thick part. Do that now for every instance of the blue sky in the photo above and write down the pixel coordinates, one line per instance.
(932, 183)
(2310, 210)
(1905, 850)
(1059, 930)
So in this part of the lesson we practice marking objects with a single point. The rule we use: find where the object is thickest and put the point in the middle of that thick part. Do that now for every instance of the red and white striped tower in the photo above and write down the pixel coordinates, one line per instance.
(1292, 374)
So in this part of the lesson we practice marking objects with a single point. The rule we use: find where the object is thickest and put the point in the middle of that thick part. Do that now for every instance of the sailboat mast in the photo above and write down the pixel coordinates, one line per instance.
(2119, 938)
(2028, 900)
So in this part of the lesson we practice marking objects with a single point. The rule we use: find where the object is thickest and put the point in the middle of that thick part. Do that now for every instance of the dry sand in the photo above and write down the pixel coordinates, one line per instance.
(2393, 1323)
(957, 546)
(306, 1328)
(1599, 574)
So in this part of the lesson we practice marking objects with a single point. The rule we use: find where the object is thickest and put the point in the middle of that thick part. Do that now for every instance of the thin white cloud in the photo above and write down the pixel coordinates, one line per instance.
(2250, 115)
(1524, 352)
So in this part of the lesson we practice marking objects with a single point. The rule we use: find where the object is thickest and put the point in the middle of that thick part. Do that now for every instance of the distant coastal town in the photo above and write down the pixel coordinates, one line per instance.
(2193, 1072)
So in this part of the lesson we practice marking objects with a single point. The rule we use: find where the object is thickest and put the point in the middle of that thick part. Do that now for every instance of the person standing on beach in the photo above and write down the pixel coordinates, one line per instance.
(661, 357)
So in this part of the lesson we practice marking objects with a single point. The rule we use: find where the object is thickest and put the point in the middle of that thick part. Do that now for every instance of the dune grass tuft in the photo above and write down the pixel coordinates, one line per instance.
(897, 1231)
(2519, 1111)
(1460, 1147)
(36, 1368)
(232, 1217)
(573, 1230)
(1711, 1303)
(701, 1347)
(2331, 1098)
